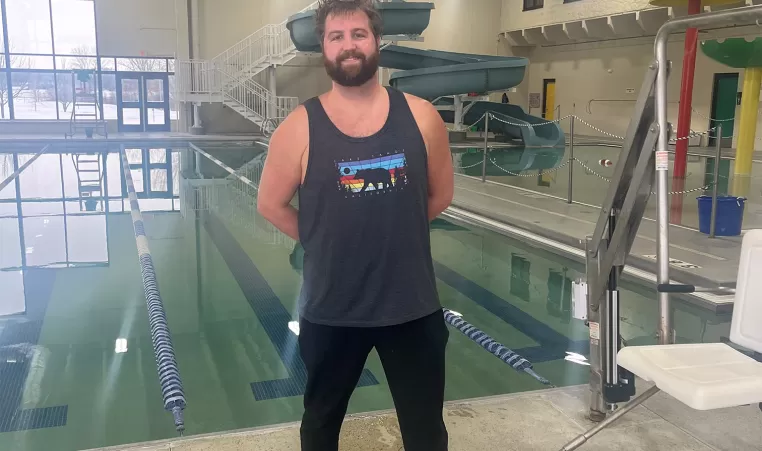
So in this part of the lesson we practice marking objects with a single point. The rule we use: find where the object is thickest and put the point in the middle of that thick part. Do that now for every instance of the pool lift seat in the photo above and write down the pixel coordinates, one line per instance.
(706, 376)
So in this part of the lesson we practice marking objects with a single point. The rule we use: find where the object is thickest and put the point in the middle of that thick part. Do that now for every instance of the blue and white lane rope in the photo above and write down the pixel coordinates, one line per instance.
(485, 341)
(169, 374)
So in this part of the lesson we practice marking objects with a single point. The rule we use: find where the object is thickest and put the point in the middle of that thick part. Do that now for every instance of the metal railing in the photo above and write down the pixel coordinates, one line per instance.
(597, 159)
(198, 77)
(229, 74)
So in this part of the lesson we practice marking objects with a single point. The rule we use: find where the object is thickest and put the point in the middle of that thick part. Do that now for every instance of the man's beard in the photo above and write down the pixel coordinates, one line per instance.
(354, 76)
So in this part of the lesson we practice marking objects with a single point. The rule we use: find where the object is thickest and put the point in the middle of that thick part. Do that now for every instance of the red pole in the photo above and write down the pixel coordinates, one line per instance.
(684, 116)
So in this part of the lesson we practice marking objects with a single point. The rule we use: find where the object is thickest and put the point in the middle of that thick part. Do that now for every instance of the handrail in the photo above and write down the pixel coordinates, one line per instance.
(18, 171)
(737, 16)
(266, 105)
(227, 168)
(269, 30)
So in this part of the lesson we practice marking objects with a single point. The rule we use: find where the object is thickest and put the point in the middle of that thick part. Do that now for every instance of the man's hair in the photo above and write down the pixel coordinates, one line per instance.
(343, 7)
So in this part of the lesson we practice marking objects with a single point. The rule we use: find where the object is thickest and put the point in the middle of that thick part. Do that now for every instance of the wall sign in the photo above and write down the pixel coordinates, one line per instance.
(535, 100)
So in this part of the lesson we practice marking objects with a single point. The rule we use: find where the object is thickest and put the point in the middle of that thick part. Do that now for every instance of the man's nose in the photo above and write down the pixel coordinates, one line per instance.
(348, 45)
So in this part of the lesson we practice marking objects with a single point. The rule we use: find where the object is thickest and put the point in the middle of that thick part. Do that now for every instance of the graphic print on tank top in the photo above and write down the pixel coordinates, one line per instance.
(380, 174)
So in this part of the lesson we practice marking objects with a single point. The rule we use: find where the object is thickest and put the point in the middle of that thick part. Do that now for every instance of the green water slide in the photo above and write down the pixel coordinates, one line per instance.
(437, 75)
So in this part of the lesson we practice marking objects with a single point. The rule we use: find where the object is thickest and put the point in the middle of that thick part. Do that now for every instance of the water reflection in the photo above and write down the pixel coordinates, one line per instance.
(55, 213)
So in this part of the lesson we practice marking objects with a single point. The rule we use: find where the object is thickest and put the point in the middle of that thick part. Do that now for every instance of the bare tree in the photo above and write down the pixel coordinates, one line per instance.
(85, 59)
(15, 90)
(145, 64)
(64, 86)
(6, 165)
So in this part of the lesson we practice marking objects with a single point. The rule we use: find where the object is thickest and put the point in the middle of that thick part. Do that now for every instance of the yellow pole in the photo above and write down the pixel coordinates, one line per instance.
(747, 130)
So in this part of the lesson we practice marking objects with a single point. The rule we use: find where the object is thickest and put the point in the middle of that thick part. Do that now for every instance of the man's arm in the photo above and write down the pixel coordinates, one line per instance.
(441, 175)
(282, 173)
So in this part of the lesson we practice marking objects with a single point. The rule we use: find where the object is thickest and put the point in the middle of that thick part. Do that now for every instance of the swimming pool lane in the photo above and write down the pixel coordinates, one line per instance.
(230, 288)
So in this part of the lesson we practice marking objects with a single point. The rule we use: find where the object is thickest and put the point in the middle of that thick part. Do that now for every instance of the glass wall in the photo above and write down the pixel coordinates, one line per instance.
(41, 43)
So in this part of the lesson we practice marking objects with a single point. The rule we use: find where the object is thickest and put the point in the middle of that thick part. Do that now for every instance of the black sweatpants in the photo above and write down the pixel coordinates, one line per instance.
(413, 356)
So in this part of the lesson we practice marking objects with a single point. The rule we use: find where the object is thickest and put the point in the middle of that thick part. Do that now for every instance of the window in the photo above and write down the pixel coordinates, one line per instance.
(108, 82)
(34, 95)
(533, 4)
(47, 40)
(141, 64)
(73, 27)
(31, 62)
(69, 63)
(29, 26)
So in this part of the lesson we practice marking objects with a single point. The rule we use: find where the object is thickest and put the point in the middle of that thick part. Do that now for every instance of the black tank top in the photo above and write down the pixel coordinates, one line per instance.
(363, 223)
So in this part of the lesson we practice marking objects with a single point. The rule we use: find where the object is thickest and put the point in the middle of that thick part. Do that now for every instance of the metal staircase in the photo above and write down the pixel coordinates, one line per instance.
(229, 78)
(89, 180)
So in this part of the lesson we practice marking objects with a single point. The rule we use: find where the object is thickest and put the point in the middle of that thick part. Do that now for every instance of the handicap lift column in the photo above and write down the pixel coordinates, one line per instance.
(608, 247)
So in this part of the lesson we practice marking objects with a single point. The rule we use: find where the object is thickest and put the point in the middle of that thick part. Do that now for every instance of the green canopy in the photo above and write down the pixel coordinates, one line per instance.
(735, 52)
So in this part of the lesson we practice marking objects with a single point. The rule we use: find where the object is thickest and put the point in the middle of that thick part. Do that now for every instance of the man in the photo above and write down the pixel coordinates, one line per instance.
(372, 166)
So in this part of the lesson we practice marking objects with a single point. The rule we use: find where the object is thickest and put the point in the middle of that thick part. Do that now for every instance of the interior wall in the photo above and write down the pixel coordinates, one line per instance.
(467, 26)
(610, 75)
(222, 23)
(218, 118)
(138, 27)
(555, 11)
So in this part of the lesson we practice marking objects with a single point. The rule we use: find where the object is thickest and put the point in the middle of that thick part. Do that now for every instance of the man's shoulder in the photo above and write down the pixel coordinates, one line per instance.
(419, 105)
(293, 130)
(296, 120)
(423, 111)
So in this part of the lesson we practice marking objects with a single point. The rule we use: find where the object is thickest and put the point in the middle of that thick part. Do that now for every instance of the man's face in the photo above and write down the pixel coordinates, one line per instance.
(350, 50)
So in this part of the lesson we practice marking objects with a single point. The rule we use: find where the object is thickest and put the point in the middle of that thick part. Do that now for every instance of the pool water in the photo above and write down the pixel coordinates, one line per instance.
(77, 370)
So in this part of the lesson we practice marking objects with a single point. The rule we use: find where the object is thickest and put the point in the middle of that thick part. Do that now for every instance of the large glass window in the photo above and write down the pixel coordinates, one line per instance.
(29, 26)
(74, 27)
(141, 64)
(47, 41)
(108, 82)
(37, 95)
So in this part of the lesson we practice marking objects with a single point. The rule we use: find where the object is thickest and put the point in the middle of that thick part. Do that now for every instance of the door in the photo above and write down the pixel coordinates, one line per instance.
(151, 170)
(549, 94)
(724, 98)
(142, 102)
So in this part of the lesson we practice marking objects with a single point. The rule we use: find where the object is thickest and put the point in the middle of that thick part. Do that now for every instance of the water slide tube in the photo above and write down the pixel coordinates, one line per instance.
(434, 75)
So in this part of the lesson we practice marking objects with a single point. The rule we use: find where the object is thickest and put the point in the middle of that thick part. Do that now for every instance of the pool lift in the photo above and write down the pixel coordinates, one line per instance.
(643, 162)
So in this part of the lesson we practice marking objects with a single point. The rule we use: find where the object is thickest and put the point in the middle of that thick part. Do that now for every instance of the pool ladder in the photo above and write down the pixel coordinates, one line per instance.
(89, 170)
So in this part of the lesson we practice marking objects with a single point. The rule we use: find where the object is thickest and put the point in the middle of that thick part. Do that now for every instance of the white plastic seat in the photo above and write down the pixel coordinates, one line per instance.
(713, 375)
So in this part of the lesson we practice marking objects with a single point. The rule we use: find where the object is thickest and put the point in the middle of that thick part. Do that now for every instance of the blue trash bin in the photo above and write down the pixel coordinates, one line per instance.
(729, 215)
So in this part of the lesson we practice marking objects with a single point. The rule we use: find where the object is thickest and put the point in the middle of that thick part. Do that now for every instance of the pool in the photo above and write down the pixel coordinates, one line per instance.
(77, 369)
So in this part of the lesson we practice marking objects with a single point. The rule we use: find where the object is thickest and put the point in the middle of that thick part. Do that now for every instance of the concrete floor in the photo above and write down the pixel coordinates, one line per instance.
(715, 260)
(542, 421)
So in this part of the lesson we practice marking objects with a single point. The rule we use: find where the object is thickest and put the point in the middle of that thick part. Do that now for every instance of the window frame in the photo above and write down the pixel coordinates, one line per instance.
(535, 4)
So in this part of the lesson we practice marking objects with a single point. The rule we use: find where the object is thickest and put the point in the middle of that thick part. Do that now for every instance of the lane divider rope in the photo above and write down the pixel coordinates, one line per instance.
(169, 374)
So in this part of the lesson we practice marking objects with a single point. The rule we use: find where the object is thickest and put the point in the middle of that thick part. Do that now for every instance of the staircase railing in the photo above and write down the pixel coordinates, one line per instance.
(257, 100)
(272, 40)
(229, 74)
(199, 77)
